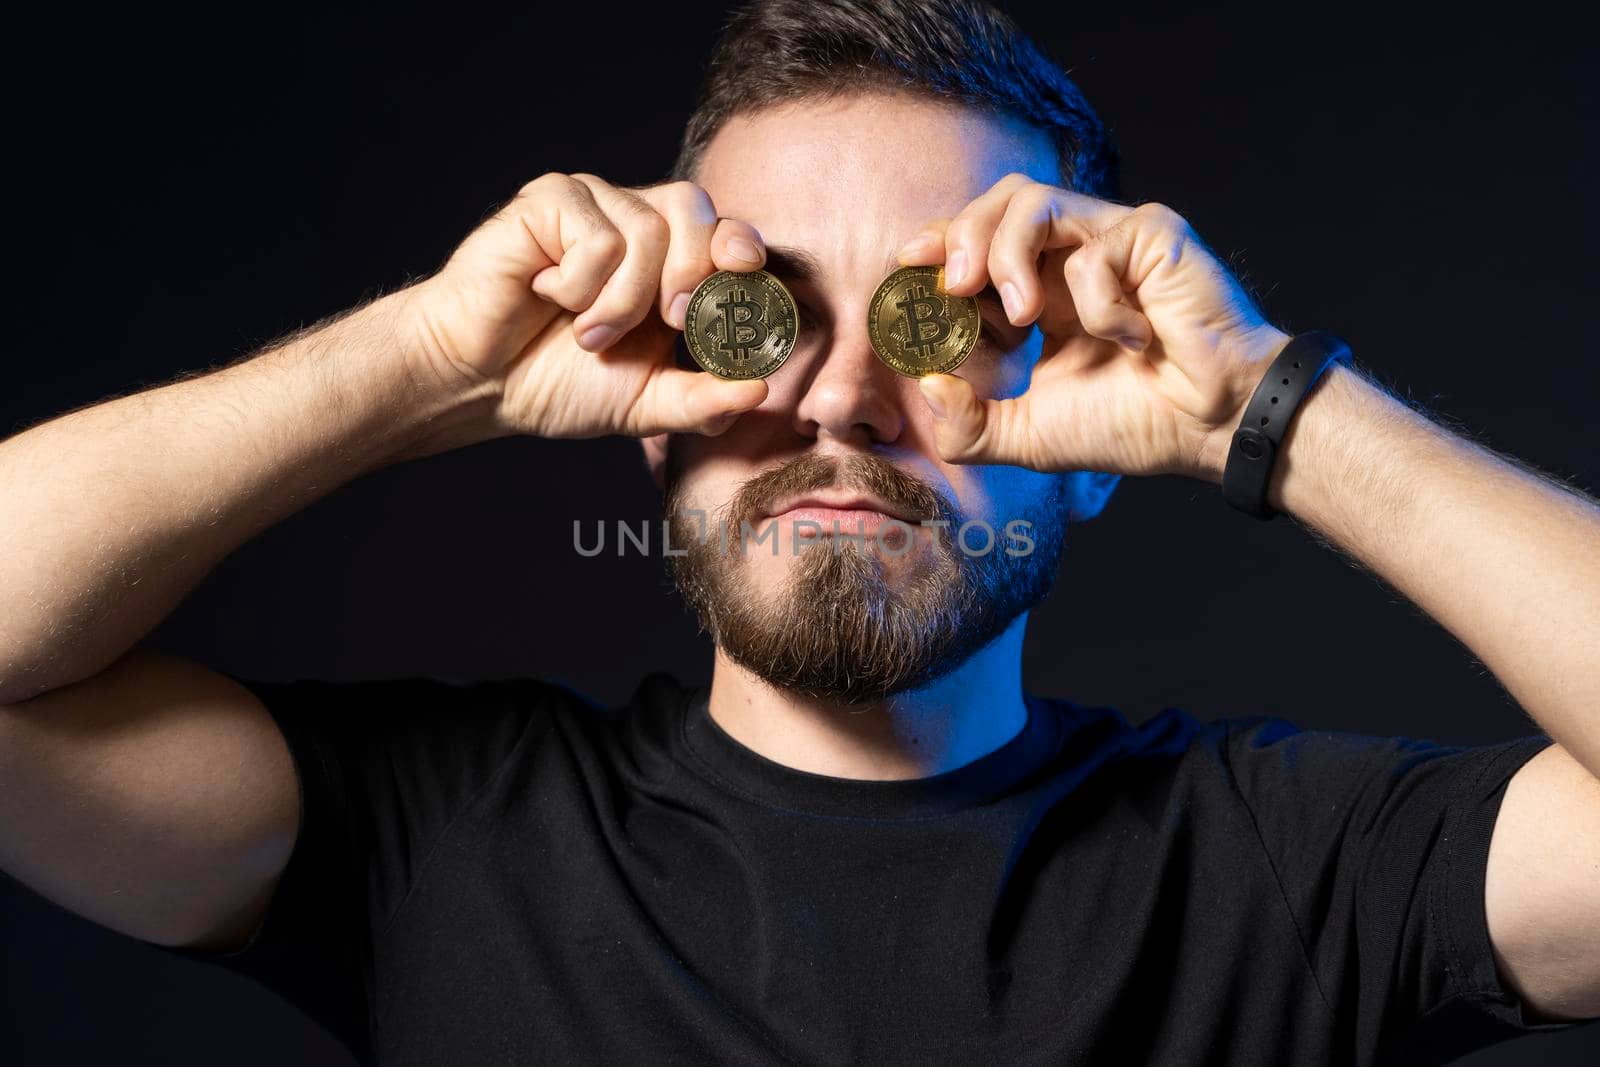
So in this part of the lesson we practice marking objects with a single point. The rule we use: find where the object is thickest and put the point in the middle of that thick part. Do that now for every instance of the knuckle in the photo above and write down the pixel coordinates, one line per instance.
(1034, 195)
(630, 206)
(1076, 266)
(625, 309)
(1162, 215)
(607, 245)
(962, 229)
(688, 194)
(651, 226)
(546, 183)
(1029, 208)
(1176, 233)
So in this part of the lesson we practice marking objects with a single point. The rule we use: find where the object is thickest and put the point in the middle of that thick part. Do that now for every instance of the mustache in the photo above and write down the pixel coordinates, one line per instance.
(864, 471)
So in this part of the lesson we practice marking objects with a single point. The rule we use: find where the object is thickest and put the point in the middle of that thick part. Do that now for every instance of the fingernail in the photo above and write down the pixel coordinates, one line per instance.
(955, 269)
(1012, 299)
(678, 310)
(1135, 343)
(596, 338)
(739, 248)
(935, 405)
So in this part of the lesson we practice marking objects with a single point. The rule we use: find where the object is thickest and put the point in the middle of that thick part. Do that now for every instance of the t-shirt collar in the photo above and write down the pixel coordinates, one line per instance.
(746, 772)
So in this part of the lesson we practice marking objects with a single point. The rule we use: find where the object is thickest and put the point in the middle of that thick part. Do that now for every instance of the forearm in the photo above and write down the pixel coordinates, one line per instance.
(113, 513)
(1506, 560)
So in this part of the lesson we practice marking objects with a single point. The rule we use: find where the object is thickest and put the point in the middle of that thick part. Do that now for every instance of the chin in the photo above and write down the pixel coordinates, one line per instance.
(767, 572)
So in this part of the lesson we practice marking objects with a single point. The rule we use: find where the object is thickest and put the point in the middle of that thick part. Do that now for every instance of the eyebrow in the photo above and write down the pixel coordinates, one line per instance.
(794, 264)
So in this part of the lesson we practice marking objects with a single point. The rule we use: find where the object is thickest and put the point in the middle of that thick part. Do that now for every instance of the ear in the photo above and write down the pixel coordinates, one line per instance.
(655, 457)
(1088, 492)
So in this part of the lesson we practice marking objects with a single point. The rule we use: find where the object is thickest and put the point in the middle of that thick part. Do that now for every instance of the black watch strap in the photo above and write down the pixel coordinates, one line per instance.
(1254, 450)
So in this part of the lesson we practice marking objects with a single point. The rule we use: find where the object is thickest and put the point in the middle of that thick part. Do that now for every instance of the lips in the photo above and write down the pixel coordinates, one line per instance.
(847, 509)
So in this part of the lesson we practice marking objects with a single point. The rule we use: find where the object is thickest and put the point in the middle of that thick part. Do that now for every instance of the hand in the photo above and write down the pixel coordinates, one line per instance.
(1151, 348)
(567, 299)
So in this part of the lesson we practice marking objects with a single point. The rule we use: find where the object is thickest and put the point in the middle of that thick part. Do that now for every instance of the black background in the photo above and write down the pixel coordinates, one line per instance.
(182, 190)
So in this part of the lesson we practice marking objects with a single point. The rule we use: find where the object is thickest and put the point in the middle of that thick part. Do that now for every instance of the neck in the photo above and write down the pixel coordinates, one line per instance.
(967, 714)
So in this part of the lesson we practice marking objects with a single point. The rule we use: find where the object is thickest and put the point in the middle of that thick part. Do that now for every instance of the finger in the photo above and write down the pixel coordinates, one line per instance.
(683, 401)
(630, 292)
(969, 429)
(927, 247)
(737, 246)
(1071, 219)
(1094, 276)
(966, 239)
(581, 242)
(1059, 317)
(1041, 220)
(1014, 250)
(692, 223)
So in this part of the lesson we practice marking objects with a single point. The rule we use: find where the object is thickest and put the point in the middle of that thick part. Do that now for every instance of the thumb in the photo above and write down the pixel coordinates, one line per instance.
(685, 401)
(968, 429)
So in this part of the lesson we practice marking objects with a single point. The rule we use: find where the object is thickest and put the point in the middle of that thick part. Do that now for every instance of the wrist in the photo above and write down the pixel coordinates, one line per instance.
(379, 367)
(1339, 406)
(1254, 355)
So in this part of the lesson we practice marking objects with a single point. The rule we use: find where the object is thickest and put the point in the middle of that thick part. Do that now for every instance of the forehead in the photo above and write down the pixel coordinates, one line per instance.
(863, 169)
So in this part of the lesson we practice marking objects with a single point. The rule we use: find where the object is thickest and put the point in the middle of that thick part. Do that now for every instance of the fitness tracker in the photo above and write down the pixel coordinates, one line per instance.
(1254, 450)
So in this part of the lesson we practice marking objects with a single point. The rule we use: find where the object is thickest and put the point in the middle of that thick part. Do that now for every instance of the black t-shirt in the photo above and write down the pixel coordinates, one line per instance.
(504, 872)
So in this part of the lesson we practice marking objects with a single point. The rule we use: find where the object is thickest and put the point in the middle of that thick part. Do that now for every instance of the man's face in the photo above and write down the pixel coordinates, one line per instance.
(836, 188)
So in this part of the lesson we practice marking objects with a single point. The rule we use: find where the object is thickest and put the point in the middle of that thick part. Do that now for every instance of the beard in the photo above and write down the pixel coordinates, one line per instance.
(843, 627)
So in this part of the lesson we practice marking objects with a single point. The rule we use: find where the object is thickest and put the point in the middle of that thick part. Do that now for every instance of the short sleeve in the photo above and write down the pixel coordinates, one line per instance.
(1380, 847)
(382, 768)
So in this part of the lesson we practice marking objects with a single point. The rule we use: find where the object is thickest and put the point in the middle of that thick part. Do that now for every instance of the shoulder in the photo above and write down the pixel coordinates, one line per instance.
(441, 712)
(439, 708)
(1270, 755)
(437, 734)
(1275, 766)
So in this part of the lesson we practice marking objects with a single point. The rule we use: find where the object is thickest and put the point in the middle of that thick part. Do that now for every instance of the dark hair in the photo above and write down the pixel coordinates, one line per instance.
(964, 51)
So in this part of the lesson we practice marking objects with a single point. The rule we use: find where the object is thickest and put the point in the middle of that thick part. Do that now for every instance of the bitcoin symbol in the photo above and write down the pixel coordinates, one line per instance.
(740, 325)
(741, 334)
(918, 328)
(923, 309)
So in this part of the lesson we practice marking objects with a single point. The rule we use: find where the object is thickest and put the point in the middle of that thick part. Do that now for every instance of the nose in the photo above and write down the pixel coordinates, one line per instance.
(850, 394)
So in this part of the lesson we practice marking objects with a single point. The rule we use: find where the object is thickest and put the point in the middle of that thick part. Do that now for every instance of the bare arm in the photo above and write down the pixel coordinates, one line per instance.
(1504, 558)
(115, 512)
(157, 797)
(1508, 562)
(149, 794)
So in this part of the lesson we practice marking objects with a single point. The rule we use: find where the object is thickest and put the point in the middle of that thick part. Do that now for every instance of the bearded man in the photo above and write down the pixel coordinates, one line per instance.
(865, 841)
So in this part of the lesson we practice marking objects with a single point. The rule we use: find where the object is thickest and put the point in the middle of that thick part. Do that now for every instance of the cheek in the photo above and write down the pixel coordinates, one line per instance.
(998, 495)
(1030, 497)
(1008, 372)
(706, 471)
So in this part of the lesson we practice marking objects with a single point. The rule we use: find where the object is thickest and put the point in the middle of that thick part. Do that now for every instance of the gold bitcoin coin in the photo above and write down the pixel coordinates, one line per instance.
(917, 328)
(741, 324)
